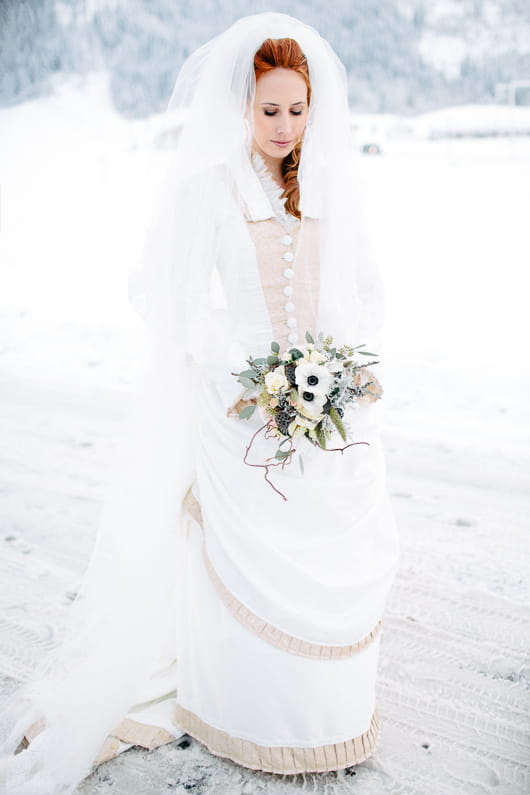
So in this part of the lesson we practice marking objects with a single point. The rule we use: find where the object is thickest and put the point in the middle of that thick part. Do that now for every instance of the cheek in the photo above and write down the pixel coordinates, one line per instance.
(260, 124)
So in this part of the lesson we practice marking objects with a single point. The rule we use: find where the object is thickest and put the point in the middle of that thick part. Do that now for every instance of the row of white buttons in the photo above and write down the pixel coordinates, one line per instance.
(288, 290)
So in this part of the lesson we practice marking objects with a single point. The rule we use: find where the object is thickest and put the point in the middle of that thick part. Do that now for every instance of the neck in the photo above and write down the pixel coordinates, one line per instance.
(274, 166)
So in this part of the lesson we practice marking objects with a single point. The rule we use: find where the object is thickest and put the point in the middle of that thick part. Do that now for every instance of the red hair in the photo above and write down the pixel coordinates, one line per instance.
(286, 53)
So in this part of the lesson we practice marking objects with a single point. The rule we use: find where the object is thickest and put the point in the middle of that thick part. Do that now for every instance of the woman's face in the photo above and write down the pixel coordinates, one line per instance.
(280, 112)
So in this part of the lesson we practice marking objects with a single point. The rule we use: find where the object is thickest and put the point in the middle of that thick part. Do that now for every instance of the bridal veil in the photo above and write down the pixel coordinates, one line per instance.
(123, 617)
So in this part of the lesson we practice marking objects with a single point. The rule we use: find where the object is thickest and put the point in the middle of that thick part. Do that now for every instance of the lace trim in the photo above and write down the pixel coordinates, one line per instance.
(281, 759)
(270, 633)
(273, 191)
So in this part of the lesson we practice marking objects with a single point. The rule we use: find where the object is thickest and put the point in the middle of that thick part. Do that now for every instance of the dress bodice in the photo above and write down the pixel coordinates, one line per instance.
(289, 276)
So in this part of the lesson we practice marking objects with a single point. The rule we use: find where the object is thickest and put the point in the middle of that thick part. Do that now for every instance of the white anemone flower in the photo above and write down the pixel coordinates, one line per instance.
(312, 377)
(310, 405)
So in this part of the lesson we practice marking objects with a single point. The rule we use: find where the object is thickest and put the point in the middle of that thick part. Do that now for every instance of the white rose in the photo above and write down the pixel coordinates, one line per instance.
(315, 356)
(276, 380)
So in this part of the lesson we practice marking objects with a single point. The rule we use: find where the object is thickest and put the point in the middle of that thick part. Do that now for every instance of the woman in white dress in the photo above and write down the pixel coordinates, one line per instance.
(248, 621)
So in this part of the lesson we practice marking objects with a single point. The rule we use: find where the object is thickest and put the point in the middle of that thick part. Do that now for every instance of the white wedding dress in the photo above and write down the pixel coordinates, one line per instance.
(272, 657)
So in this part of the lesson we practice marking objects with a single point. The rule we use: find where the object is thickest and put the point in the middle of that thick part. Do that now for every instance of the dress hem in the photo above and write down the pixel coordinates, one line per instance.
(286, 760)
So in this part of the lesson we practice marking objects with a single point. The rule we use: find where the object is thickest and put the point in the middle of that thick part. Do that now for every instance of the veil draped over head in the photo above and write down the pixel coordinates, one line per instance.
(123, 620)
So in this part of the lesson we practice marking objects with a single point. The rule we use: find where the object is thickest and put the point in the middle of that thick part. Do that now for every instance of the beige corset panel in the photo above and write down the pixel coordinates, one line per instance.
(290, 288)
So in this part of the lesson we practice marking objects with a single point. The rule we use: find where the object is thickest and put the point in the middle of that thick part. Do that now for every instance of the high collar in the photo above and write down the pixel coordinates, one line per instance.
(260, 193)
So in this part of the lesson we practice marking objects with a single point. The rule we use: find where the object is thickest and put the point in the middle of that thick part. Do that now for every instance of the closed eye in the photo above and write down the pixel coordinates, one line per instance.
(274, 112)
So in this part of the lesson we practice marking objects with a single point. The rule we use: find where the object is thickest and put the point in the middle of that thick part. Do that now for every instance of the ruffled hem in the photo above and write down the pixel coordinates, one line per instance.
(281, 759)
(127, 733)
(133, 732)
(268, 632)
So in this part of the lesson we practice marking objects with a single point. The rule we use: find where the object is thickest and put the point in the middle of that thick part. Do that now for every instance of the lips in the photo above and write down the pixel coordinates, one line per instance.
(282, 143)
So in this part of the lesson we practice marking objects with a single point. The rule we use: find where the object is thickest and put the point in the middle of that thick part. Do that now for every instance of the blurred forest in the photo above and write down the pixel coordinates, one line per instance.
(403, 56)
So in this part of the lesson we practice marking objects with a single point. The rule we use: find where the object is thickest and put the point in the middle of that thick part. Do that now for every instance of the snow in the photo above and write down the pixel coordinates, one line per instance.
(450, 227)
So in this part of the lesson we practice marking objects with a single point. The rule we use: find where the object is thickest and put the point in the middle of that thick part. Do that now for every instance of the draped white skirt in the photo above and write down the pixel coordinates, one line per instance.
(278, 603)
(282, 602)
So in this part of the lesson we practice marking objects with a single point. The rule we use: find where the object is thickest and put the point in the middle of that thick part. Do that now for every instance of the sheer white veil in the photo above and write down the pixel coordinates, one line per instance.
(123, 617)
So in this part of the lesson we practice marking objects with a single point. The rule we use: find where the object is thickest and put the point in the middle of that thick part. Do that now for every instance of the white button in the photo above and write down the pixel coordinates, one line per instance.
(291, 322)
(288, 256)
(288, 273)
(288, 290)
(286, 240)
(293, 336)
(289, 307)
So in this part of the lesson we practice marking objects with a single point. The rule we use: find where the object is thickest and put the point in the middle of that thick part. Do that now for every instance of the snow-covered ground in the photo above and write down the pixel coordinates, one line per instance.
(450, 225)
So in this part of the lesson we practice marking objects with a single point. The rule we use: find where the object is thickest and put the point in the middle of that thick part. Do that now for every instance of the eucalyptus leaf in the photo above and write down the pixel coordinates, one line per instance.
(247, 412)
(272, 360)
(275, 348)
(247, 382)
(309, 338)
(296, 353)
(260, 361)
(248, 374)
(367, 353)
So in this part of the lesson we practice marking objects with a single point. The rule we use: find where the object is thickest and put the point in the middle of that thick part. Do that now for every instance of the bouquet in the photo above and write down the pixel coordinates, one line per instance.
(303, 393)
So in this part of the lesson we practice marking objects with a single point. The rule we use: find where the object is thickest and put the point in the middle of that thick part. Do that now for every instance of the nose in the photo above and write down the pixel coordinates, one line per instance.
(284, 125)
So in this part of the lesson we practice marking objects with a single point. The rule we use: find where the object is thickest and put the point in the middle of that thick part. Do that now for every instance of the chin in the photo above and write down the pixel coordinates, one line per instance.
(279, 154)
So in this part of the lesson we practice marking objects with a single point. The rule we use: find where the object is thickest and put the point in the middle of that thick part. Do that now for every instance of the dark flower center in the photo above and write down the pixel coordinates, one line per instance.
(308, 396)
(312, 380)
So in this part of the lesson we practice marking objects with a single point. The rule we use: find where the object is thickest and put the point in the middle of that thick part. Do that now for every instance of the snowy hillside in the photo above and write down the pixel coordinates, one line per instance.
(401, 55)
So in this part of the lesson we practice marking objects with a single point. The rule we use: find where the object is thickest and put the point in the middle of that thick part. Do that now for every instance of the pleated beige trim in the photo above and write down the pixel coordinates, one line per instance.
(281, 759)
(129, 731)
(259, 626)
(133, 732)
(144, 734)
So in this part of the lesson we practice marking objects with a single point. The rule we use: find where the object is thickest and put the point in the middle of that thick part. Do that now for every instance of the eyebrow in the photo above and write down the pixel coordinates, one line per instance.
(276, 105)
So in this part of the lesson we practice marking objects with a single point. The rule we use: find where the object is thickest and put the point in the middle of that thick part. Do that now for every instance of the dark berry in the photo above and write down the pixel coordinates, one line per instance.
(290, 373)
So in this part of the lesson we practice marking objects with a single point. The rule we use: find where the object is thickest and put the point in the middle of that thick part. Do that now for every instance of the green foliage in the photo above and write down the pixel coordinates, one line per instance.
(337, 422)
(247, 383)
(321, 436)
(247, 412)
(296, 354)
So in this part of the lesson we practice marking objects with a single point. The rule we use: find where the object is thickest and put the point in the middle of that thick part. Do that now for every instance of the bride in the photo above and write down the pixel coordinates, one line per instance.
(211, 606)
